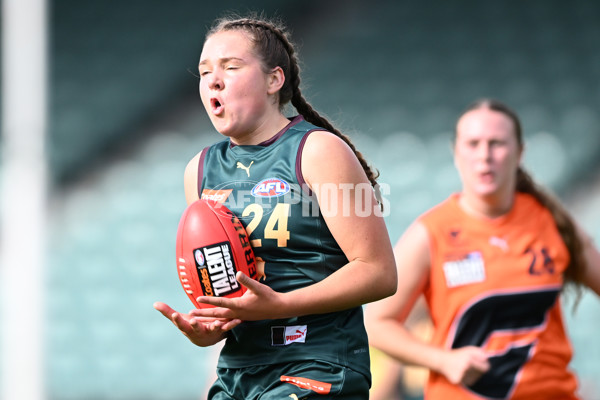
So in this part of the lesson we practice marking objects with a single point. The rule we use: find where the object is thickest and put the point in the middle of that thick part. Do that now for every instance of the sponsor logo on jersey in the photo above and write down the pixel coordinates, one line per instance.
(219, 196)
(271, 187)
(295, 334)
(469, 269)
(285, 335)
(305, 383)
(242, 166)
(217, 273)
(457, 238)
(499, 242)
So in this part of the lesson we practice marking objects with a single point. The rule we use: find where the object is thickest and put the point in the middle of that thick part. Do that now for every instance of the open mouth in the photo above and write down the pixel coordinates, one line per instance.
(487, 176)
(216, 106)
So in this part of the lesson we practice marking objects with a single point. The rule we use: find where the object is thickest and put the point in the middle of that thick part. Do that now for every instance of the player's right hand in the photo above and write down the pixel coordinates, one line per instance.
(199, 330)
(465, 365)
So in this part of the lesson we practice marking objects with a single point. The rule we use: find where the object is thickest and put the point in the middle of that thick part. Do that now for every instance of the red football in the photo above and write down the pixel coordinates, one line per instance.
(212, 245)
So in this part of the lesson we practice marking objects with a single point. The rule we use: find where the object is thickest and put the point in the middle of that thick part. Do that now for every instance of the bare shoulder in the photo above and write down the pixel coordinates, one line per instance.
(321, 143)
(411, 253)
(413, 249)
(327, 158)
(190, 179)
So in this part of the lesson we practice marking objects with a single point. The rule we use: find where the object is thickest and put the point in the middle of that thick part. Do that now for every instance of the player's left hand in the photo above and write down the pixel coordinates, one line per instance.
(257, 303)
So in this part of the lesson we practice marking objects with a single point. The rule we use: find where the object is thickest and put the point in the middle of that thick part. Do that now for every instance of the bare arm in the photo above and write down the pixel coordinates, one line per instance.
(385, 318)
(190, 179)
(329, 166)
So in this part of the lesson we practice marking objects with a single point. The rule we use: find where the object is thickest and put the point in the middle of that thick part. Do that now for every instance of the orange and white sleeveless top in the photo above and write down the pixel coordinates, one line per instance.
(495, 283)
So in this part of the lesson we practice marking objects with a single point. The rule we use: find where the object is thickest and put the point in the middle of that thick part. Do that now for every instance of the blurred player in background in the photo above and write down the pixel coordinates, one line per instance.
(391, 379)
(491, 262)
(296, 184)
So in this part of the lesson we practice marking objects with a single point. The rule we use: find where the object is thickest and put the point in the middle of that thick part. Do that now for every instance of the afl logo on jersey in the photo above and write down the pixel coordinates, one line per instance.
(271, 187)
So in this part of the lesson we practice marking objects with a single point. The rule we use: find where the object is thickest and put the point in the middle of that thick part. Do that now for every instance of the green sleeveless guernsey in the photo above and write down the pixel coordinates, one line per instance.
(263, 185)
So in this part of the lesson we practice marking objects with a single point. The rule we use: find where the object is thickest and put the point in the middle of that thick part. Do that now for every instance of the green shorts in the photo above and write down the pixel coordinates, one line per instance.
(299, 381)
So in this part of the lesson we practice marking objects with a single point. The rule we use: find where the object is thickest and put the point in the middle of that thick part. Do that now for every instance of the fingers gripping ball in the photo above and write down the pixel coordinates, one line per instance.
(212, 245)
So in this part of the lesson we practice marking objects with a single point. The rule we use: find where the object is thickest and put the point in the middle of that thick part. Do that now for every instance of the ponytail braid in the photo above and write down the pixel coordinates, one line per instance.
(309, 114)
(565, 225)
(274, 48)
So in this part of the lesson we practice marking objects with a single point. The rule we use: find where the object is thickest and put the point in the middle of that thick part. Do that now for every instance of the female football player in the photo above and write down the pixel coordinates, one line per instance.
(491, 262)
(307, 200)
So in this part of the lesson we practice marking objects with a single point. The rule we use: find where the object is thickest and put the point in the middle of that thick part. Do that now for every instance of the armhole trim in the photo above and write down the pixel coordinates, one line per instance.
(201, 171)
(299, 175)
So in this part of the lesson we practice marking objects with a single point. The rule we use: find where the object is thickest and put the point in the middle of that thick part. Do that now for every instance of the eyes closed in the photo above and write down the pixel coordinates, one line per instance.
(227, 65)
(490, 143)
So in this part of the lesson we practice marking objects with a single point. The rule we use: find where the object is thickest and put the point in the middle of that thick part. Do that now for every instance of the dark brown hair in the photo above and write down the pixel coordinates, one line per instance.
(525, 184)
(273, 46)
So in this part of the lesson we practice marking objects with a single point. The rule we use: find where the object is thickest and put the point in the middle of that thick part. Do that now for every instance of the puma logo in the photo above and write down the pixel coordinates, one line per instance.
(293, 396)
(499, 242)
(247, 169)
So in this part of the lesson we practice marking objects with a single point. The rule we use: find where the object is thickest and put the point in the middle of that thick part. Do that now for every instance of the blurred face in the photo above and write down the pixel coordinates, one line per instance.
(233, 86)
(487, 153)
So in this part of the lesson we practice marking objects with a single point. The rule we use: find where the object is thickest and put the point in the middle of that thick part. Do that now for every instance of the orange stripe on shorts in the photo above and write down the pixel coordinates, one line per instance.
(305, 383)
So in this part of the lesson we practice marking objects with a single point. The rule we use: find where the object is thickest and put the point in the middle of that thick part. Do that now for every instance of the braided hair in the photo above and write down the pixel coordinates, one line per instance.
(525, 184)
(274, 48)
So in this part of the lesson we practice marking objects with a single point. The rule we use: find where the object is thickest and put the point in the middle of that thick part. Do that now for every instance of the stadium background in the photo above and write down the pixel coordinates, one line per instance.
(125, 118)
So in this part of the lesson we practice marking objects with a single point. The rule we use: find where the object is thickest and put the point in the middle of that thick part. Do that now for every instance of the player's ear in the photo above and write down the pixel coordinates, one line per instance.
(275, 80)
